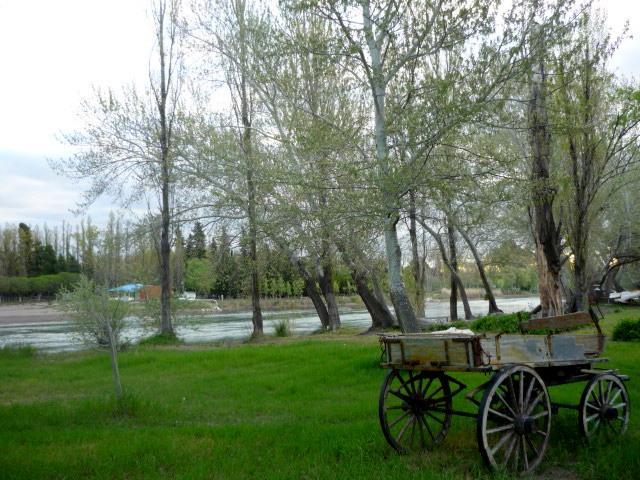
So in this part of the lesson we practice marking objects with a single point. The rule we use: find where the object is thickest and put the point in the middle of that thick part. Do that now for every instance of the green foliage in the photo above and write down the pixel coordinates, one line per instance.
(196, 243)
(627, 330)
(22, 351)
(283, 328)
(128, 406)
(199, 276)
(100, 318)
(152, 312)
(45, 285)
(45, 260)
(508, 323)
(503, 323)
(161, 339)
(511, 268)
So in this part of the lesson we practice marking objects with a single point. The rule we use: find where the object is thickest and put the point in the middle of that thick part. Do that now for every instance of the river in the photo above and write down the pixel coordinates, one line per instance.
(58, 336)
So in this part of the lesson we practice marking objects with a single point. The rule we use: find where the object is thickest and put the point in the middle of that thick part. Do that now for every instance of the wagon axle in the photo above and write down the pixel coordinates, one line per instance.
(523, 424)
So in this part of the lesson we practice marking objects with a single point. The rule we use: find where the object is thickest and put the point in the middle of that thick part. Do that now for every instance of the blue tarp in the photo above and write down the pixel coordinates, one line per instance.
(128, 288)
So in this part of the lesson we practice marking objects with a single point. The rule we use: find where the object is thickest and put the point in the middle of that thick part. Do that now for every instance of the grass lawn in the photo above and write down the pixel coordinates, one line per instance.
(295, 408)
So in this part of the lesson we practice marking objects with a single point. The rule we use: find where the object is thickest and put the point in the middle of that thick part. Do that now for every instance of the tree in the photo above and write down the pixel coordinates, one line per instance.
(200, 276)
(130, 142)
(196, 243)
(455, 277)
(25, 249)
(221, 27)
(599, 132)
(545, 228)
(178, 268)
(100, 319)
(45, 260)
(386, 43)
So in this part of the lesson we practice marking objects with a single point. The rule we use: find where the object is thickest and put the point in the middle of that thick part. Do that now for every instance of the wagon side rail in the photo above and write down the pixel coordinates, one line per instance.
(594, 344)
(562, 322)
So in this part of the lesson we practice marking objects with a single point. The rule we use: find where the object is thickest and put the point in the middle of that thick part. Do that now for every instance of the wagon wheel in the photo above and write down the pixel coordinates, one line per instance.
(514, 420)
(414, 409)
(604, 407)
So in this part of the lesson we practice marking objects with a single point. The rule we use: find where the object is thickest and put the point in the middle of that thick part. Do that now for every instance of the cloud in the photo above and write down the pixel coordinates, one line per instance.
(31, 192)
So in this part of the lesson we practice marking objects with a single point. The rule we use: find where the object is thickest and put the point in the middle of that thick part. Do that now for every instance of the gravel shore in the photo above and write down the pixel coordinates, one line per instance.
(29, 313)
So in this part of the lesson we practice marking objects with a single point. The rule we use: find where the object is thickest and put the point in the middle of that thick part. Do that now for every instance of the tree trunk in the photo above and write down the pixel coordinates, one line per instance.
(443, 253)
(256, 318)
(401, 303)
(399, 298)
(316, 298)
(166, 327)
(310, 286)
(545, 231)
(453, 269)
(549, 287)
(312, 292)
(325, 279)
(377, 290)
(113, 354)
(380, 315)
(247, 147)
(416, 261)
(493, 306)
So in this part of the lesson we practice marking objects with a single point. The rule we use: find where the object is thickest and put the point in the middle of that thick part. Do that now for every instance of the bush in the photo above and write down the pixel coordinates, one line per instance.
(99, 318)
(508, 323)
(161, 339)
(627, 330)
(46, 285)
(283, 328)
(17, 351)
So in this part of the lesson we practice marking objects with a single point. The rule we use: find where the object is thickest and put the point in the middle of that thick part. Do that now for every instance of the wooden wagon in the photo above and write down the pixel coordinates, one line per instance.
(514, 410)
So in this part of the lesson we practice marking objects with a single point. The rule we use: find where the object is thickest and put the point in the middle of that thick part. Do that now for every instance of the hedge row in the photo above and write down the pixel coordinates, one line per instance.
(45, 285)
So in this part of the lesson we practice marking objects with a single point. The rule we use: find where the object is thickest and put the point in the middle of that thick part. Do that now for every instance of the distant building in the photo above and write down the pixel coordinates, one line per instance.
(150, 292)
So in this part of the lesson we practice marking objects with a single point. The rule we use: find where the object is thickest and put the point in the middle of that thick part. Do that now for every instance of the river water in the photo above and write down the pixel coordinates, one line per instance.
(58, 336)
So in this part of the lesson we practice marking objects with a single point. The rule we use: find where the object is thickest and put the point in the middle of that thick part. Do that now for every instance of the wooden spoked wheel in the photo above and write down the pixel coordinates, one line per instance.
(414, 409)
(514, 421)
(604, 407)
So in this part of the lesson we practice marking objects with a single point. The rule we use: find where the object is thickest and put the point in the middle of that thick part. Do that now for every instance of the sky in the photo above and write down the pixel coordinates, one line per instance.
(52, 52)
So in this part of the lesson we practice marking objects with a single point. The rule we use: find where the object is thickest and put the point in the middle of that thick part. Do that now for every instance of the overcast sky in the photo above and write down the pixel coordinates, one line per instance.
(53, 51)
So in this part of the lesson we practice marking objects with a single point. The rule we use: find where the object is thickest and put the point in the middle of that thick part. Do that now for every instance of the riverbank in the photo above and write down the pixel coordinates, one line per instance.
(45, 312)
(293, 408)
(35, 312)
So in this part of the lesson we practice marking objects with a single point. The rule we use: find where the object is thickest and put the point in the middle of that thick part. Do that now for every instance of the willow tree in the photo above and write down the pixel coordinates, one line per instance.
(127, 147)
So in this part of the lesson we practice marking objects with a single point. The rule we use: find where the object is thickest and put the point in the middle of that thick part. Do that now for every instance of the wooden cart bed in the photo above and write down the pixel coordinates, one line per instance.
(481, 352)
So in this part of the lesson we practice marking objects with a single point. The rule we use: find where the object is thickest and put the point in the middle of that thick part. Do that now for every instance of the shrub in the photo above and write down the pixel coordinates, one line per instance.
(47, 285)
(283, 328)
(508, 323)
(99, 317)
(627, 330)
(161, 339)
(17, 350)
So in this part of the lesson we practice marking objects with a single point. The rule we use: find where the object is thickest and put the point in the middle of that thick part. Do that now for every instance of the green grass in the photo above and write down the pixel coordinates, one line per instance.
(161, 339)
(281, 409)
